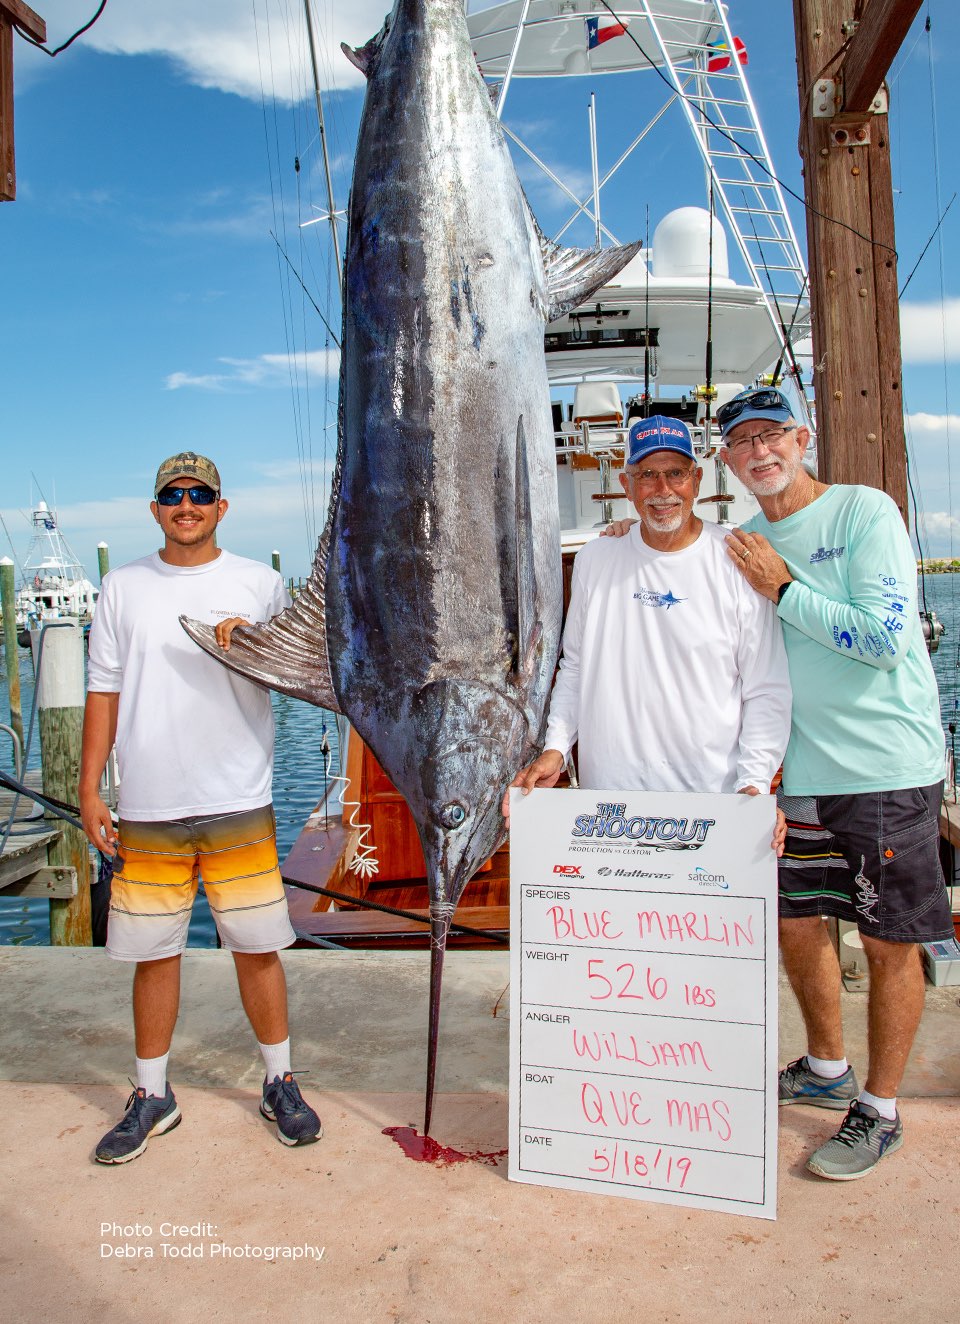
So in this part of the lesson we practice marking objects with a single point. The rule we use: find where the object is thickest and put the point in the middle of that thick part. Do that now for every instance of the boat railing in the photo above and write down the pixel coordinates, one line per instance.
(17, 750)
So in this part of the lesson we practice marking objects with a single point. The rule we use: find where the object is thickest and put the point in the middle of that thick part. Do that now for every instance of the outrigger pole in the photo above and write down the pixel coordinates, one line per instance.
(331, 210)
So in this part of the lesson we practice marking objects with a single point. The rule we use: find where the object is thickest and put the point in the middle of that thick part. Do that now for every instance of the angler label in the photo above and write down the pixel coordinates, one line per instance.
(643, 1035)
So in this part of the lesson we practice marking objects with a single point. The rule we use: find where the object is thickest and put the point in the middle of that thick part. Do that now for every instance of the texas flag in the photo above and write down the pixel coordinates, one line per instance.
(600, 30)
(722, 59)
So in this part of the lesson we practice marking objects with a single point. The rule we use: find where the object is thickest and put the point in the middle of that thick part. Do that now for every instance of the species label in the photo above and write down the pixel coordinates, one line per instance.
(643, 978)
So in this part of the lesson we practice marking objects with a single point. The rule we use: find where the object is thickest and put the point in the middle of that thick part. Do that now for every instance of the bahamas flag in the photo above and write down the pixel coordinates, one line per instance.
(722, 59)
(600, 30)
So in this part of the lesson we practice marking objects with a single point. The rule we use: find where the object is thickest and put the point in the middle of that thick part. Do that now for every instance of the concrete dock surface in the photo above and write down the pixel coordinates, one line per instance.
(352, 1229)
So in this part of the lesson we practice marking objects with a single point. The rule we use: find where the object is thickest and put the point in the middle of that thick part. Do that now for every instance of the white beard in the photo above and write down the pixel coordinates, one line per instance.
(663, 518)
(772, 484)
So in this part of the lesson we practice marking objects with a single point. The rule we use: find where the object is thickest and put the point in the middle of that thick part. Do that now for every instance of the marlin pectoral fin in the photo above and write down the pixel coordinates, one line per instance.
(287, 653)
(527, 625)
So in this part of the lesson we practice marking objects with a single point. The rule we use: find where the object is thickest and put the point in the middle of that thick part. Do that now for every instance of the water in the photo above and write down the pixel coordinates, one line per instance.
(298, 765)
(298, 784)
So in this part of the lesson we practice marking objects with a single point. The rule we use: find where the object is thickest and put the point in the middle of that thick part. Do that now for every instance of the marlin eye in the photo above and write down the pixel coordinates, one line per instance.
(452, 814)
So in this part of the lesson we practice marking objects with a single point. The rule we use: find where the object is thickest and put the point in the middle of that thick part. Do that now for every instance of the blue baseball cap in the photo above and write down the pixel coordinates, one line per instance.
(658, 433)
(764, 402)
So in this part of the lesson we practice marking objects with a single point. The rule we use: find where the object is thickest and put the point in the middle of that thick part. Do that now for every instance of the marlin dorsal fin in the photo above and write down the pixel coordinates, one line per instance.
(365, 57)
(573, 274)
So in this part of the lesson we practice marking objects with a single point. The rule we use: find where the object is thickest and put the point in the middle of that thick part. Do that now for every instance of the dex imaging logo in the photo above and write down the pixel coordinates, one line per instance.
(703, 878)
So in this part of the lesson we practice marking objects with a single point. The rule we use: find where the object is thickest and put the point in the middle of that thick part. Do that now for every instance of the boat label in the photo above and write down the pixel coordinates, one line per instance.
(643, 1022)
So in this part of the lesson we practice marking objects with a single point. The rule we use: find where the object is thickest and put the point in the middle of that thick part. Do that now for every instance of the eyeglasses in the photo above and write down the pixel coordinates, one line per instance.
(675, 477)
(199, 496)
(769, 438)
(766, 398)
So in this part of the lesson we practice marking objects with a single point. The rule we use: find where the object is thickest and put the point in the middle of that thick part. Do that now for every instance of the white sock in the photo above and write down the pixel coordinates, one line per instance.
(887, 1108)
(276, 1059)
(829, 1068)
(152, 1075)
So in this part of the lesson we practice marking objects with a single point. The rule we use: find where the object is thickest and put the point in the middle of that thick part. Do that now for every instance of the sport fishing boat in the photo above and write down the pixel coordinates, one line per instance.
(54, 584)
(714, 302)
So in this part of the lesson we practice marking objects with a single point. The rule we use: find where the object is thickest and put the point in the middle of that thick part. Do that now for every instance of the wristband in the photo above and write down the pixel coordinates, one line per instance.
(782, 589)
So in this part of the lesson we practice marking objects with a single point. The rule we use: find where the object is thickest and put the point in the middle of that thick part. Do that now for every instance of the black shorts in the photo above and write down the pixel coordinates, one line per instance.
(872, 859)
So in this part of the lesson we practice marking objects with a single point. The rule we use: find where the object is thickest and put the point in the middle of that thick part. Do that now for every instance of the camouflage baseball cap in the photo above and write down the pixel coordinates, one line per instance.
(188, 465)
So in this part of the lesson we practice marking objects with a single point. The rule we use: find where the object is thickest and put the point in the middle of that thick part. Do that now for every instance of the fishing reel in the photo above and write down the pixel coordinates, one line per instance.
(932, 628)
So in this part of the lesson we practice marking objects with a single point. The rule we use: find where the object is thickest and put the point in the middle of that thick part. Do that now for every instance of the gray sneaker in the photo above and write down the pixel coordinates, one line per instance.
(282, 1102)
(146, 1116)
(863, 1139)
(798, 1084)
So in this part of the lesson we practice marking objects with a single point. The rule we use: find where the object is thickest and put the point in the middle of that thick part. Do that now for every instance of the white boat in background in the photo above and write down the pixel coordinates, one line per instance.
(676, 333)
(55, 584)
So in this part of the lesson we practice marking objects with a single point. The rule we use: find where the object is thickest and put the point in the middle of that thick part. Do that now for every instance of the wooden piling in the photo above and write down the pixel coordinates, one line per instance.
(103, 559)
(8, 597)
(60, 710)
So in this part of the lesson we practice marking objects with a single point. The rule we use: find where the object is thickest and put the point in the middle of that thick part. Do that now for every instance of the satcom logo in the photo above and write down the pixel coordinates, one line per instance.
(703, 878)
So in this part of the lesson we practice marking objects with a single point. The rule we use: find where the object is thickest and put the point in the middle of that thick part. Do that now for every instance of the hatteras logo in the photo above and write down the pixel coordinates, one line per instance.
(648, 597)
(611, 822)
(703, 878)
(827, 554)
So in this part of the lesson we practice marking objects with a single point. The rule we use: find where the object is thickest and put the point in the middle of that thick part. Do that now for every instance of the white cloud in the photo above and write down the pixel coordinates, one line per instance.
(268, 370)
(930, 332)
(933, 423)
(222, 44)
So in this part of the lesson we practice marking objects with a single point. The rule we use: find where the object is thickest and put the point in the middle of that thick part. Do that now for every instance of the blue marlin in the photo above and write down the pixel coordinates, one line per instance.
(432, 615)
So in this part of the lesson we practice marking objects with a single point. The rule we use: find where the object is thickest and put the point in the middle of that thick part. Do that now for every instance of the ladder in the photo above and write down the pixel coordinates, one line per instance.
(723, 119)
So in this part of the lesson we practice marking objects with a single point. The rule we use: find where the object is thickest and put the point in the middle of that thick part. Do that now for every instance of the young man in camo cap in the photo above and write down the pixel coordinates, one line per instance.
(194, 747)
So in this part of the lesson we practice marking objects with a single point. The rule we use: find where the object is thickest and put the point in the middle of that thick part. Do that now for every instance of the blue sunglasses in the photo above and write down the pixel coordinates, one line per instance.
(199, 496)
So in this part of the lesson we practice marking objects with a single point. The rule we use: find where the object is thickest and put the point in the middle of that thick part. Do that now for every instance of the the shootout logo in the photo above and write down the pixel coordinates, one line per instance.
(611, 823)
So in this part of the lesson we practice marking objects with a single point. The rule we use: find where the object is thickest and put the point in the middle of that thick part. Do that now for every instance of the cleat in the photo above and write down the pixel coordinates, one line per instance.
(282, 1102)
(862, 1141)
(798, 1084)
(146, 1116)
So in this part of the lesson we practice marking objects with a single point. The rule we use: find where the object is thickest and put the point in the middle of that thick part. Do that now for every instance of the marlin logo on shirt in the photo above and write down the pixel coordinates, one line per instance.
(648, 597)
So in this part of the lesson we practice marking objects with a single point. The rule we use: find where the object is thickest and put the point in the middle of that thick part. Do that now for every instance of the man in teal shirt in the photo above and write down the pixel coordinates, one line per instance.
(862, 776)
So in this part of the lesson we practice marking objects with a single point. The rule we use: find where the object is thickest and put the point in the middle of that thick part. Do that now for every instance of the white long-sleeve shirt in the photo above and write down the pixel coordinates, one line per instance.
(674, 674)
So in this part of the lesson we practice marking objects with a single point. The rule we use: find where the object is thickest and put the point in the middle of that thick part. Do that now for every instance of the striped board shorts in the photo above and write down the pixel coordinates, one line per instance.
(872, 859)
(159, 865)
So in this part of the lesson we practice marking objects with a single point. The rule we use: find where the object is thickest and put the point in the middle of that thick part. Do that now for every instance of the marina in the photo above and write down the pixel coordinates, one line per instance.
(427, 631)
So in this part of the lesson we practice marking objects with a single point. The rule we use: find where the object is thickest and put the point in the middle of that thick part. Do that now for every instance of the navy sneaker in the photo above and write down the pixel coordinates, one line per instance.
(862, 1141)
(798, 1084)
(297, 1123)
(146, 1116)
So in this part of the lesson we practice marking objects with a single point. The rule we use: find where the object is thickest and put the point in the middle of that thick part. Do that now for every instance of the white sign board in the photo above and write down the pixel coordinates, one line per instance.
(643, 996)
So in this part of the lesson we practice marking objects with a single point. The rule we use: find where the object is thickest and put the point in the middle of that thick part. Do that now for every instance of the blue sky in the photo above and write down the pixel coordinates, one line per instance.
(145, 309)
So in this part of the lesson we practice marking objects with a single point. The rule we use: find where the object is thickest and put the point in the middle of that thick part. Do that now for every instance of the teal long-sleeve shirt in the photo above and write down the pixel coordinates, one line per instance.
(866, 713)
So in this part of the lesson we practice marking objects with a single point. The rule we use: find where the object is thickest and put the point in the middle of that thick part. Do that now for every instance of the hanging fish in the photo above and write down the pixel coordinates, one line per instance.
(432, 615)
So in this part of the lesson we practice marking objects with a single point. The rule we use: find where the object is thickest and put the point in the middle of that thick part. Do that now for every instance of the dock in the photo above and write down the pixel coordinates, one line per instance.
(405, 1241)
(24, 867)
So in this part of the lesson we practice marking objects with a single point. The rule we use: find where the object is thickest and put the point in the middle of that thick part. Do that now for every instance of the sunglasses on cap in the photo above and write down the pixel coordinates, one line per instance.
(766, 398)
(199, 496)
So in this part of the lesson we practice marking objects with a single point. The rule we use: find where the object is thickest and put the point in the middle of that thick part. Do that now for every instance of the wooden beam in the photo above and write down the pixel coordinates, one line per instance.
(24, 17)
(853, 274)
(12, 12)
(8, 175)
(872, 49)
(50, 881)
